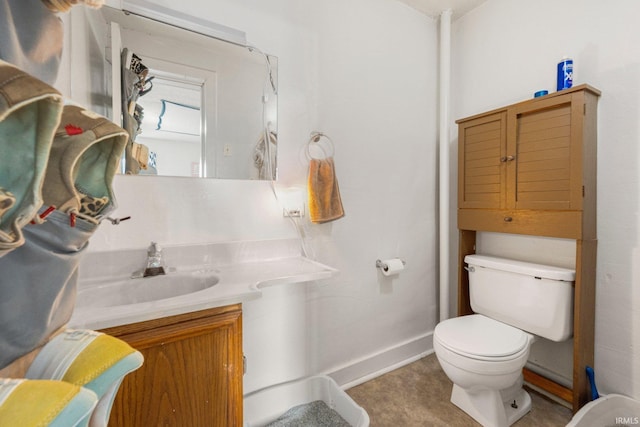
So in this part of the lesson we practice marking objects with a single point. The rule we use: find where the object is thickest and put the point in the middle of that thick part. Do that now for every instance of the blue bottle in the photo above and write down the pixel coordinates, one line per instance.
(565, 73)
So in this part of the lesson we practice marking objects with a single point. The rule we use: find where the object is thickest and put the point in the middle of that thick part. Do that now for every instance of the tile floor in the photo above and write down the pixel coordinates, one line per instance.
(417, 395)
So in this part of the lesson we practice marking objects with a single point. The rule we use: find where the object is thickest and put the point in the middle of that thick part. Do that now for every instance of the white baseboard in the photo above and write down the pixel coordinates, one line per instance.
(374, 365)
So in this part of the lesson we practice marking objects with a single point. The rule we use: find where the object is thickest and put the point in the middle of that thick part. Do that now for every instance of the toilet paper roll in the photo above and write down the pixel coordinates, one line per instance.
(392, 266)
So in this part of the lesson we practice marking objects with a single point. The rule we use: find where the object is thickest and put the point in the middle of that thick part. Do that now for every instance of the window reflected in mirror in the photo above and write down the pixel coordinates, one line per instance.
(167, 117)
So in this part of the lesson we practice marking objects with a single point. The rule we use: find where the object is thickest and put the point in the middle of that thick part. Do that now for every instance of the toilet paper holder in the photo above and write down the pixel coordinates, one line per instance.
(382, 265)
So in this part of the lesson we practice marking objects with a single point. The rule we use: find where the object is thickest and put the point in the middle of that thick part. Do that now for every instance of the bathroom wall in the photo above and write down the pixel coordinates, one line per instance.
(363, 72)
(506, 50)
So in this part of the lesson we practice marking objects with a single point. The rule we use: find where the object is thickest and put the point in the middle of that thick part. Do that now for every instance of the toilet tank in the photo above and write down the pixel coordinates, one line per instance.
(533, 297)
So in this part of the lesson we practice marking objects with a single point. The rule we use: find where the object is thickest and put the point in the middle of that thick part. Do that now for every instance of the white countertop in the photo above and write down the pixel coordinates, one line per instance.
(238, 282)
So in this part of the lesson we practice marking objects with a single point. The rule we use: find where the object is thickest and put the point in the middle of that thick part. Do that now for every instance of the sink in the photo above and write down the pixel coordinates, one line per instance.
(136, 291)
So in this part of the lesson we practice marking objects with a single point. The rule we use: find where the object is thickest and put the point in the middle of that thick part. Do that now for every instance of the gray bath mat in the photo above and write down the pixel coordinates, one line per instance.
(314, 414)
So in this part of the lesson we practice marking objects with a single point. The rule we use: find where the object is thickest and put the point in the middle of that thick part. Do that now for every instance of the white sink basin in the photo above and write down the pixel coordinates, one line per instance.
(136, 291)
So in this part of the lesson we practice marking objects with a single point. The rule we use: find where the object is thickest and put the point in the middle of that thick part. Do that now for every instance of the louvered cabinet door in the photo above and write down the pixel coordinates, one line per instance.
(481, 154)
(545, 141)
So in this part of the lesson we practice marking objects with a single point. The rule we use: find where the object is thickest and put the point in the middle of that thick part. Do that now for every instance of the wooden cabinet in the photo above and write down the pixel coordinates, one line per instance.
(530, 168)
(192, 373)
(537, 155)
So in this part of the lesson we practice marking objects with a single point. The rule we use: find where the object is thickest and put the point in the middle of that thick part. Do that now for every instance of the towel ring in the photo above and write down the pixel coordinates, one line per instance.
(315, 141)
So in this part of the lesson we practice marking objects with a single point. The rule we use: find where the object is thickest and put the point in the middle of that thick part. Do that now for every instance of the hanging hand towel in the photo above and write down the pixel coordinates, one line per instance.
(325, 203)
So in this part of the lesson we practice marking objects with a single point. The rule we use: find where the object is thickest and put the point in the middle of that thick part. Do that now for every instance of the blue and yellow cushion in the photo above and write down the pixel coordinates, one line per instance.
(90, 359)
(44, 403)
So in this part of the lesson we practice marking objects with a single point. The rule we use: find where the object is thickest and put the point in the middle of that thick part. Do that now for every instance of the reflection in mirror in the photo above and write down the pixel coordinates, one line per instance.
(171, 119)
(195, 106)
(169, 112)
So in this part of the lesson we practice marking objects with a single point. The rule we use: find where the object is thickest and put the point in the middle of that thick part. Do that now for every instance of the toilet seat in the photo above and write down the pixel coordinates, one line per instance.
(479, 344)
(482, 338)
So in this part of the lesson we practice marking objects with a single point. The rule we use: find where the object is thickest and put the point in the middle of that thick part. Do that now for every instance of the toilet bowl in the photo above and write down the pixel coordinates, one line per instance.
(484, 359)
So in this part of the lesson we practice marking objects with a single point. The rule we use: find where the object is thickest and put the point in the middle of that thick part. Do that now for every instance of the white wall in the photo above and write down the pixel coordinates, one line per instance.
(376, 99)
(363, 72)
(506, 50)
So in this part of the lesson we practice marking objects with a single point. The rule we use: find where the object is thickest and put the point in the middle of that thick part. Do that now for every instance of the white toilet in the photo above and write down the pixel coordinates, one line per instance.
(483, 354)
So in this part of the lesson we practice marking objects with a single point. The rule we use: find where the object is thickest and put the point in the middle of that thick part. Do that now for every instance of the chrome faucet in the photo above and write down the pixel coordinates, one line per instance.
(155, 263)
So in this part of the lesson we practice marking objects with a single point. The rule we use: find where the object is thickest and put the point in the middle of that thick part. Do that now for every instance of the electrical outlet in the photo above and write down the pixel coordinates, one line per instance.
(294, 212)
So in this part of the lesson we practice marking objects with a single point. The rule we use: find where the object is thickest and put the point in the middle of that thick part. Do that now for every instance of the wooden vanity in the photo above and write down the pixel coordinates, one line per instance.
(192, 372)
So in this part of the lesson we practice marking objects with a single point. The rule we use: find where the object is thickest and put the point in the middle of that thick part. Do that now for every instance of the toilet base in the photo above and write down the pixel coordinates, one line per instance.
(488, 406)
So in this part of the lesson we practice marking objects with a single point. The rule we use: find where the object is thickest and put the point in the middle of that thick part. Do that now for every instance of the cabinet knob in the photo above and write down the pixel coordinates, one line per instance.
(511, 158)
(503, 159)
(508, 219)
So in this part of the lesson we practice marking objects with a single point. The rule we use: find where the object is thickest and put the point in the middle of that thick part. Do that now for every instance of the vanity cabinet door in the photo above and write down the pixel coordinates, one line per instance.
(192, 372)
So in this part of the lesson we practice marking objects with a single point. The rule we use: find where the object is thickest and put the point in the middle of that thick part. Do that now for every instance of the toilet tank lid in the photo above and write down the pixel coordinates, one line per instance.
(522, 267)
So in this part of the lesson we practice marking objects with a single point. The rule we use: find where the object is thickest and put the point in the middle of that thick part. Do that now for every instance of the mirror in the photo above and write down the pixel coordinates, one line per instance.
(195, 105)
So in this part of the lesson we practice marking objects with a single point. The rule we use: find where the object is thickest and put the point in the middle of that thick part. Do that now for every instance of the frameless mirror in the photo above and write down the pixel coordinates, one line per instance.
(195, 105)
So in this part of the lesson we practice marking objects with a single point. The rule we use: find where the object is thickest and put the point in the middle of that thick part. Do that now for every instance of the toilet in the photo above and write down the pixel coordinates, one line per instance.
(483, 354)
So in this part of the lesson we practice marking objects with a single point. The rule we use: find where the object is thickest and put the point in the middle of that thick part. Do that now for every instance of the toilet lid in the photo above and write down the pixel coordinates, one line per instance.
(477, 335)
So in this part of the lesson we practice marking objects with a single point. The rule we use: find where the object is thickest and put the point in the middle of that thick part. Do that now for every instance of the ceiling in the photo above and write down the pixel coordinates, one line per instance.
(433, 8)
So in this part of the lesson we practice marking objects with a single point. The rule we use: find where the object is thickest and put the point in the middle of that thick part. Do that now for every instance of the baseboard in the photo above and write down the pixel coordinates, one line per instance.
(374, 365)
